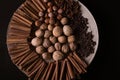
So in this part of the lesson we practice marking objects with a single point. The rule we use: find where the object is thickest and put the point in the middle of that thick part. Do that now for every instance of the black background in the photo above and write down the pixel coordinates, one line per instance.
(103, 66)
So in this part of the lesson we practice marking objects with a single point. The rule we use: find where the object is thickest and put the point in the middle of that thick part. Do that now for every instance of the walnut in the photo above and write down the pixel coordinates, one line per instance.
(43, 26)
(51, 49)
(36, 41)
(72, 46)
(64, 21)
(57, 46)
(41, 14)
(71, 38)
(62, 39)
(47, 33)
(57, 31)
(39, 33)
(50, 27)
(46, 56)
(50, 14)
(55, 8)
(59, 16)
(65, 48)
(57, 55)
(46, 43)
(49, 10)
(52, 21)
(37, 23)
(49, 4)
(45, 1)
(60, 11)
(46, 21)
(40, 49)
(53, 39)
(67, 30)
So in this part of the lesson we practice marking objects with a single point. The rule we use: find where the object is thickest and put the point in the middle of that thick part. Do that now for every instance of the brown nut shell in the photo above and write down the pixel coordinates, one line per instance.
(57, 55)
(57, 31)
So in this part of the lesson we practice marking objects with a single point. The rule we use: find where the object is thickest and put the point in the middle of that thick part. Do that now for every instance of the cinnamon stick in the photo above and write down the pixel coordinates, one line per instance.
(62, 70)
(35, 68)
(67, 75)
(72, 75)
(14, 52)
(19, 20)
(31, 5)
(53, 76)
(21, 58)
(36, 4)
(22, 13)
(49, 72)
(33, 64)
(16, 40)
(30, 61)
(74, 64)
(23, 18)
(20, 27)
(39, 72)
(15, 60)
(46, 71)
(41, 4)
(28, 11)
(79, 60)
(18, 55)
(30, 56)
(57, 70)
(16, 37)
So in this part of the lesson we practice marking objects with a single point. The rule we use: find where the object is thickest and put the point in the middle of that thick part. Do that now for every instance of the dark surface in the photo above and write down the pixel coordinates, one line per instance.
(102, 67)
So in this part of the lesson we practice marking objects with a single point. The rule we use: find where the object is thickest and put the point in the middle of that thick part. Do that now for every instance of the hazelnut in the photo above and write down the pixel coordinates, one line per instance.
(57, 55)
(51, 49)
(41, 14)
(43, 26)
(36, 41)
(72, 46)
(45, 1)
(60, 11)
(65, 48)
(47, 20)
(46, 56)
(37, 23)
(50, 14)
(39, 33)
(49, 4)
(59, 17)
(62, 39)
(71, 38)
(52, 21)
(67, 30)
(57, 31)
(57, 23)
(40, 49)
(54, 8)
(49, 10)
(47, 33)
(50, 27)
(57, 46)
(41, 19)
(53, 39)
(64, 21)
(46, 43)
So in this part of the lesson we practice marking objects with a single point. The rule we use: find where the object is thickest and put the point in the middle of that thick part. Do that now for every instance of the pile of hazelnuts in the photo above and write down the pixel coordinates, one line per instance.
(54, 37)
